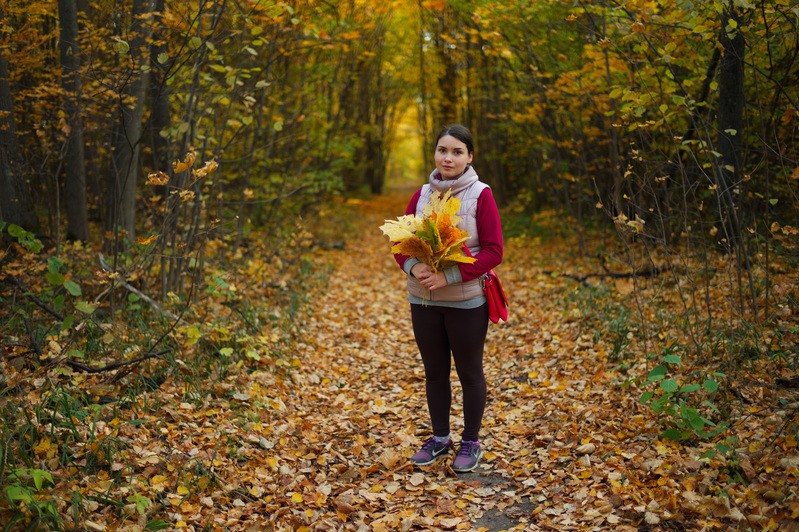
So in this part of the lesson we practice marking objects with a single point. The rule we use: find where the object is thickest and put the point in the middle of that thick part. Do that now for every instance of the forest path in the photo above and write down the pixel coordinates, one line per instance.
(550, 427)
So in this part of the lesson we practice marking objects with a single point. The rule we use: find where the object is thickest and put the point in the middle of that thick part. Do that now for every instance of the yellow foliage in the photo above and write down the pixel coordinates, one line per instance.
(157, 178)
(182, 166)
(434, 238)
(401, 228)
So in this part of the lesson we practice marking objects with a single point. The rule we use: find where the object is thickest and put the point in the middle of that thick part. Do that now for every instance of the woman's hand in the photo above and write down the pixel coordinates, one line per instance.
(429, 279)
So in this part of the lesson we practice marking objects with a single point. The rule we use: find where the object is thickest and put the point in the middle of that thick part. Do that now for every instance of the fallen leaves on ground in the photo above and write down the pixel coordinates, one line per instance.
(323, 442)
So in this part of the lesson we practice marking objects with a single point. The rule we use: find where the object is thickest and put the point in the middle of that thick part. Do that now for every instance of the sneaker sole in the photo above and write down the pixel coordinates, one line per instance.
(467, 469)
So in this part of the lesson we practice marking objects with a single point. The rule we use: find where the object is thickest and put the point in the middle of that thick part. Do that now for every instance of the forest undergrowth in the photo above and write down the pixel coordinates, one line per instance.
(289, 394)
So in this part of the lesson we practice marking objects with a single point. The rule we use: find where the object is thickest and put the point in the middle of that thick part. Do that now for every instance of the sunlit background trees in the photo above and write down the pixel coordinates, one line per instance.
(679, 115)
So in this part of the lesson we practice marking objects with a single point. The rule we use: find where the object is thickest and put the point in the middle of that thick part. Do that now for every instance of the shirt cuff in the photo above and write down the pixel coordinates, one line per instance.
(453, 275)
(410, 262)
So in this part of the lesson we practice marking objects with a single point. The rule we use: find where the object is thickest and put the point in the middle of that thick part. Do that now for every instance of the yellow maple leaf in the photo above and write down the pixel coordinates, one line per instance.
(453, 255)
(402, 228)
(440, 205)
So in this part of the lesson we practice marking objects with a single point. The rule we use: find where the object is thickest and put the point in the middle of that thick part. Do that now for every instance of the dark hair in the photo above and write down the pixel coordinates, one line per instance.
(459, 132)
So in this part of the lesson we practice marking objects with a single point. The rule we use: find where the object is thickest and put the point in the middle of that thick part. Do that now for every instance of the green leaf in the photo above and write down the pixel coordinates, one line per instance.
(54, 264)
(73, 288)
(226, 351)
(16, 231)
(690, 388)
(193, 335)
(278, 126)
(141, 502)
(672, 359)
(646, 397)
(660, 404)
(54, 278)
(19, 493)
(673, 433)
(669, 385)
(39, 476)
(76, 353)
(85, 307)
(656, 374)
(122, 47)
(163, 58)
(710, 385)
(710, 453)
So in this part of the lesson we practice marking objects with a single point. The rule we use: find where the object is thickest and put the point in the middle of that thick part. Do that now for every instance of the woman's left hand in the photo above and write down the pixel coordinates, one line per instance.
(434, 281)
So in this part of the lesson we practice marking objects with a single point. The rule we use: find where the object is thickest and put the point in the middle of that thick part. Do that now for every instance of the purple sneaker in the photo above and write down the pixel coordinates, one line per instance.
(468, 457)
(431, 451)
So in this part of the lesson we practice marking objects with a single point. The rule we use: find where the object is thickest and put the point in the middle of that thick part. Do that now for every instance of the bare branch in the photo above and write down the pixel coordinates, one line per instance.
(115, 365)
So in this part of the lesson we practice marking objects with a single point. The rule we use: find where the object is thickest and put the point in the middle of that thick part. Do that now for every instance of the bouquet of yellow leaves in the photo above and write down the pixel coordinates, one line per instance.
(433, 238)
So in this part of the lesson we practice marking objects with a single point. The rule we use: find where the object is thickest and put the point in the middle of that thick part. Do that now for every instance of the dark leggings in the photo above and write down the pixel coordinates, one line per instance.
(439, 331)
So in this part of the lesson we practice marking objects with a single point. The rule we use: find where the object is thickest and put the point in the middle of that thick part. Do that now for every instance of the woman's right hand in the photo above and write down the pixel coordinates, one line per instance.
(421, 271)
(427, 277)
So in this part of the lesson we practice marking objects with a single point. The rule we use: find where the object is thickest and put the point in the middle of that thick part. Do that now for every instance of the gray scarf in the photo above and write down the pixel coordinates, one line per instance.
(466, 179)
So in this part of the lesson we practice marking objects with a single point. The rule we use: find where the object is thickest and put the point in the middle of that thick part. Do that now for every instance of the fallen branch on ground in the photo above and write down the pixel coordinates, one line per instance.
(648, 272)
(115, 365)
(153, 303)
(36, 301)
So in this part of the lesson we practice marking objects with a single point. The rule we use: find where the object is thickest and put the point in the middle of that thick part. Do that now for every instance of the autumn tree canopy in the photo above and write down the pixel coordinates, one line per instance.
(173, 174)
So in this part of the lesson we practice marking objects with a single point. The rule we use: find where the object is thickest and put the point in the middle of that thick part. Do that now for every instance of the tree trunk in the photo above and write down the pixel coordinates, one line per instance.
(16, 205)
(731, 103)
(128, 132)
(75, 187)
(161, 117)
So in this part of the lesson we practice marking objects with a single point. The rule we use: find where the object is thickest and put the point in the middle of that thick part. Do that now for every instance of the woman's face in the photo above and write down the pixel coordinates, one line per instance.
(452, 157)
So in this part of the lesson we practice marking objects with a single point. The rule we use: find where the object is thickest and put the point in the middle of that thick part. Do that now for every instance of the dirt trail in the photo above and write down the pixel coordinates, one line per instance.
(357, 409)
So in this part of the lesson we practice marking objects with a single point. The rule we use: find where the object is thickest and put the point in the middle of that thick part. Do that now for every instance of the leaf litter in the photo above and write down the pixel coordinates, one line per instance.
(323, 444)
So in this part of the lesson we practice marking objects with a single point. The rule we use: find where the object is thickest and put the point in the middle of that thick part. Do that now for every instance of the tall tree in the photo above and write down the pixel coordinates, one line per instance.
(16, 205)
(158, 93)
(128, 132)
(730, 115)
(74, 164)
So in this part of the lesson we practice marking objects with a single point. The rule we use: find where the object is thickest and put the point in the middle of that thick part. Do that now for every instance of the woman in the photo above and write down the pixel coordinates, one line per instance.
(448, 308)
